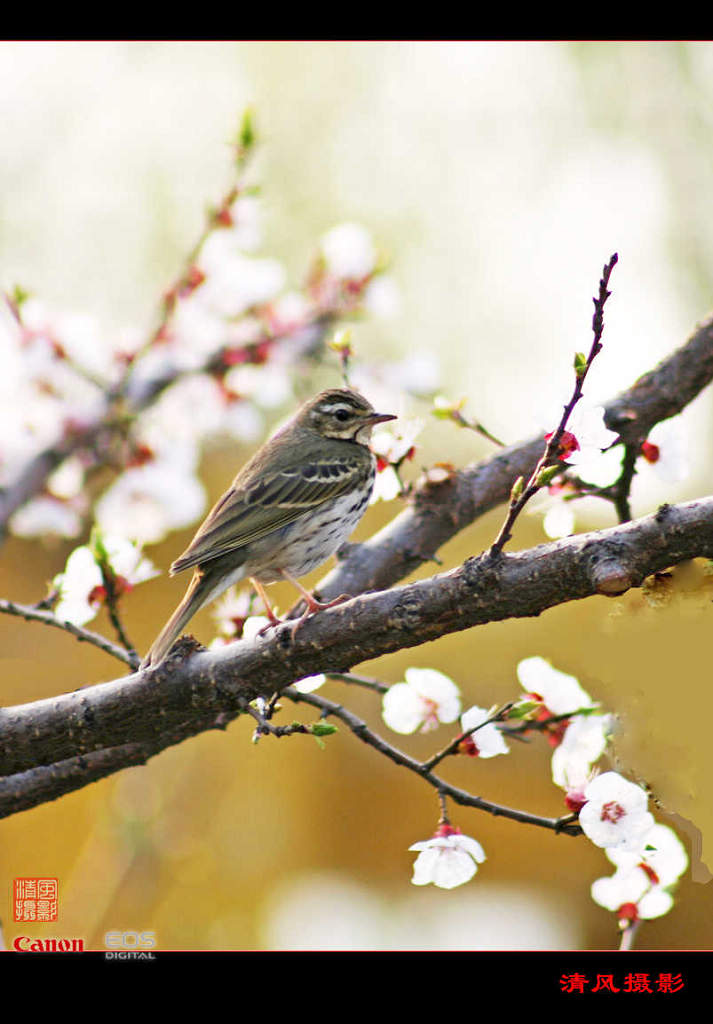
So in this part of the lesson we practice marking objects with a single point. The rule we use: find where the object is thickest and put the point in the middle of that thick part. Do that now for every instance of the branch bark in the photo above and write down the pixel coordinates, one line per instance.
(193, 691)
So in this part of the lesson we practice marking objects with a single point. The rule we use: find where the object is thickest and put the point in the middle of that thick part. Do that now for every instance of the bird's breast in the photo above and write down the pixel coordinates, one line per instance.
(306, 543)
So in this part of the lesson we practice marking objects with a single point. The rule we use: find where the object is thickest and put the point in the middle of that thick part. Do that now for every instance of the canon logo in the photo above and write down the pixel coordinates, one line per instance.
(23, 944)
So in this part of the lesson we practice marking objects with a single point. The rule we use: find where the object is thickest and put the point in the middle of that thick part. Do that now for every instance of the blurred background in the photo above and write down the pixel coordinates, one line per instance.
(499, 178)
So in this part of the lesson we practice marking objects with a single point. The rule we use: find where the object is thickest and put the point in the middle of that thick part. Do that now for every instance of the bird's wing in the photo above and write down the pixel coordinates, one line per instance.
(246, 514)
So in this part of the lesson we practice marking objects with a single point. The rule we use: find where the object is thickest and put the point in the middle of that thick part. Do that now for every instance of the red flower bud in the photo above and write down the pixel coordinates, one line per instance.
(568, 443)
(224, 217)
(194, 277)
(445, 829)
(140, 455)
(468, 747)
(650, 451)
(628, 912)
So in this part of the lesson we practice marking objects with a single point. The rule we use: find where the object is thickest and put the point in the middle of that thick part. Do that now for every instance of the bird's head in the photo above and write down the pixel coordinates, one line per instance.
(342, 414)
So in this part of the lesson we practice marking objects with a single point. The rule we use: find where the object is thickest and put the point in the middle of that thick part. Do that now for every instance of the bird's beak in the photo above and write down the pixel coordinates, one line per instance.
(380, 417)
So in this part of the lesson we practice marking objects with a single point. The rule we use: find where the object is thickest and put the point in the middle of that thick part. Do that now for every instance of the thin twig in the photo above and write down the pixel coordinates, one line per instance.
(443, 820)
(265, 726)
(497, 715)
(622, 488)
(366, 681)
(31, 614)
(112, 605)
(520, 497)
(628, 936)
(460, 796)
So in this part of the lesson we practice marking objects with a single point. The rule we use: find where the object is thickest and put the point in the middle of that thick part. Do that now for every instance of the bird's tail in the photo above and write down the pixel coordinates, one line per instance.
(200, 590)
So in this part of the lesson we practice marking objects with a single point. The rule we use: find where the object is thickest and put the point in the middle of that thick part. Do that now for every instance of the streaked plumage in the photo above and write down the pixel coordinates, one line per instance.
(288, 509)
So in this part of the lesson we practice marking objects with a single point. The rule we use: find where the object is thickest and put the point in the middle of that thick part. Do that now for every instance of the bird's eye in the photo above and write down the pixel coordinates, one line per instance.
(342, 415)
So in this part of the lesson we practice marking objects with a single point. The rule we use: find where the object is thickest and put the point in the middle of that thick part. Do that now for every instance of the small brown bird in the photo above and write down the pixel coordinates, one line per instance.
(288, 509)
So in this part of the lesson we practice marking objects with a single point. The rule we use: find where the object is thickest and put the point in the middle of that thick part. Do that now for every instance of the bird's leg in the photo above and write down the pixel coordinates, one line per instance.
(313, 605)
(260, 590)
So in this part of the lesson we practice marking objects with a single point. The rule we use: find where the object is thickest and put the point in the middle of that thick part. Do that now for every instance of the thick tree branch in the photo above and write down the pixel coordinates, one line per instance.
(186, 695)
(437, 512)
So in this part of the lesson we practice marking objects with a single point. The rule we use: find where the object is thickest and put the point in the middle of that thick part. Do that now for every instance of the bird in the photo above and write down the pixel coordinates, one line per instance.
(286, 512)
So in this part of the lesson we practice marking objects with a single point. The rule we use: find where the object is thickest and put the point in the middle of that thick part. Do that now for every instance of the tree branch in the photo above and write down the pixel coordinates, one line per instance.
(424, 769)
(34, 614)
(437, 512)
(188, 694)
(550, 453)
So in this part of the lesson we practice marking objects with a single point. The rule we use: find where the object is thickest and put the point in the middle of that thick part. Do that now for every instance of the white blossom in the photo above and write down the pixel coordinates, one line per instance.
(147, 502)
(243, 235)
(631, 887)
(600, 468)
(253, 625)
(395, 444)
(391, 447)
(387, 486)
(310, 683)
(289, 311)
(664, 855)
(587, 424)
(666, 451)
(348, 251)
(559, 519)
(615, 813)
(238, 282)
(196, 331)
(242, 421)
(425, 699)
(82, 576)
(487, 740)
(181, 417)
(47, 514)
(268, 385)
(85, 343)
(381, 297)
(68, 479)
(583, 743)
(127, 559)
(561, 693)
(447, 860)
(231, 611)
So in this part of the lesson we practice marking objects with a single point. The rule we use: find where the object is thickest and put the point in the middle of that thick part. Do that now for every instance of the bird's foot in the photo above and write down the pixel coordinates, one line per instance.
(273, 621)
(313, 605)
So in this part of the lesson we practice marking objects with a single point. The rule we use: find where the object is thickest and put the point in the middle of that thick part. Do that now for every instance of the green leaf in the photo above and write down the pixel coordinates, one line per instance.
(524, 708)
(322, 729)
(19, 295)
(96, 546)
(547, 474)
(247, 131)
(580, 363)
